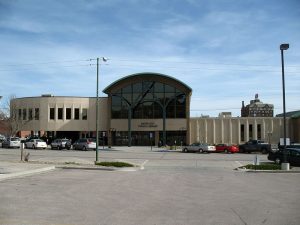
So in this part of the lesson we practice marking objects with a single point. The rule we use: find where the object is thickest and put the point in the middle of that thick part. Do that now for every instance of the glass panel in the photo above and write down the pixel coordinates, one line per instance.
(169, 89)
(146, 85)
(52, 113)
(159, 88)
(137, 88)
(24, 114)
(180, 111)
(127, 97)
(20, 114)
(127, 89)
(37, 113)
(30, 114)
(171, 109)
(84, 114)
(68, 113)
(138, 112)
(124, 112)
(148, 110)
(115, 100)
(60, 113)
(242, 132)
(157, 111)
(116, 111)
(76, 114)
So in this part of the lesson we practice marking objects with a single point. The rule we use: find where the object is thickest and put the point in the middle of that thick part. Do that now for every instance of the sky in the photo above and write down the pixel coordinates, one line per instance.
(225, 50)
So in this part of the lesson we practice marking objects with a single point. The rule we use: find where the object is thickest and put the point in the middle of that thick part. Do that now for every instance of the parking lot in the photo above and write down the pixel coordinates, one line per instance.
(170, 188)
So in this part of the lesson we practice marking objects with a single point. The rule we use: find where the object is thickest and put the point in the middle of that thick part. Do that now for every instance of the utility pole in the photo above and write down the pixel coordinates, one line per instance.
(97, 103)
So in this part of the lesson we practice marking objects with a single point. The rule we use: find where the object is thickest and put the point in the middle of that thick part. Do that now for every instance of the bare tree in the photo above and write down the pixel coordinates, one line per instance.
(12, 117)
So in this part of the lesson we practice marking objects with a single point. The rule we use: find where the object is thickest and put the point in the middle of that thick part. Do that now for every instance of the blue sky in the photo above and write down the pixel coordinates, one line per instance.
(226, 51)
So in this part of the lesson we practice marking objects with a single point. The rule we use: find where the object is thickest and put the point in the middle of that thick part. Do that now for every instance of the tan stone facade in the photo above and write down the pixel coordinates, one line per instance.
(237, 130)
(123, 118)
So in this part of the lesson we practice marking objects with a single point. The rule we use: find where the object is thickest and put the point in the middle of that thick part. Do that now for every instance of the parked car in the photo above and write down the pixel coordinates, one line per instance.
(85, 144)
(293, 156)
(255, 146)
(11, 142)
(35, 144)
(199, 147)
(61, 144)
(227, 148)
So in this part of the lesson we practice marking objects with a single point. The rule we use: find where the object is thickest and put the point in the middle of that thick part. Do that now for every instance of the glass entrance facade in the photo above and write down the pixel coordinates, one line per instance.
(153, 99)
(146, 100)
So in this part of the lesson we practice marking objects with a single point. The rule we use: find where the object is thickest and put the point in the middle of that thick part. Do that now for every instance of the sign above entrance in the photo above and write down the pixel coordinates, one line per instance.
(147, 124)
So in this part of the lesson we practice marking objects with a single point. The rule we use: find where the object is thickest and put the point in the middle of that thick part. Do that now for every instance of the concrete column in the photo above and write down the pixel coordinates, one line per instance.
(239, 131)
(214, 131)
(255, 129)
(198, 131)
(246, 130)
(205, 131)
(222, 130)
(230, 131)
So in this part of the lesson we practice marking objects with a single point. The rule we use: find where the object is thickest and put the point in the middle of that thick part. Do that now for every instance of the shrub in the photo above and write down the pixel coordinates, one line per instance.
(266, 166)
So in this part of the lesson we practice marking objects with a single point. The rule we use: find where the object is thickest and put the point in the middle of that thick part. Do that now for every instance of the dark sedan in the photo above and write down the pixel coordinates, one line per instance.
(293, 156)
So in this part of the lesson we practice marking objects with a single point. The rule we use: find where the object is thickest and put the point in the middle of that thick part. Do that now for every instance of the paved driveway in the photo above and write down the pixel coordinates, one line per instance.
(173, 189)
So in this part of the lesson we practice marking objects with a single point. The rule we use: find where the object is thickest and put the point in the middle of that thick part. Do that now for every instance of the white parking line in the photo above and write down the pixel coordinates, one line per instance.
(143, 164)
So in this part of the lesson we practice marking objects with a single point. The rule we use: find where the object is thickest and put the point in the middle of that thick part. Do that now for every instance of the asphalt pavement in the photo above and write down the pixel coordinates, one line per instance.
(41, 161)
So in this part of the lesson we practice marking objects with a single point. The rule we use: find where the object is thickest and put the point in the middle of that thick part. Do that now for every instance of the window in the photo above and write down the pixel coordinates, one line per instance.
(24, 114)
(20, 114)
(36, 113)
(52, 113)
(84, 114)
(30, 114)
(76, 114)
(60, 113)
(250, 132)
(258, 131)
(68, 113)
(242, 132)
(147, 99)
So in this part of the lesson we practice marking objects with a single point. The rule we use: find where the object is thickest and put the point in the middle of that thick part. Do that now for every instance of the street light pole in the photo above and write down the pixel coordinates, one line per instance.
(97, 99)
(97, 108)
(285, 164)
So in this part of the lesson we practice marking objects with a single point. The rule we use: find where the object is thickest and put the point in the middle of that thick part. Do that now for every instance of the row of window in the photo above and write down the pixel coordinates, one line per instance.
(250, 132)
(29, 114)
(148, 100)
(59, 114)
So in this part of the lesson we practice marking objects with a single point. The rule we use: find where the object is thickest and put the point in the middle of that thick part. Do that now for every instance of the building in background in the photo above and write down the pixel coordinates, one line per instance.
(256, 108)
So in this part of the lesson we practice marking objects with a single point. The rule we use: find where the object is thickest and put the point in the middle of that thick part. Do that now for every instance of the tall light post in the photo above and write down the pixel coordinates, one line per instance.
(97, 108)
(285, 165)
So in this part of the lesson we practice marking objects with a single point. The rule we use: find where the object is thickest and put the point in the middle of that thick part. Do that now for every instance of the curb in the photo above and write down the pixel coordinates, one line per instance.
(125, 169)
(267, 171)
(26, 173)
(273, 171)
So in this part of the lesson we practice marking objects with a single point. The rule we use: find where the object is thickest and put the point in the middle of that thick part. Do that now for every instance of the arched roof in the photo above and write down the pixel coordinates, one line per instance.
(147, 76)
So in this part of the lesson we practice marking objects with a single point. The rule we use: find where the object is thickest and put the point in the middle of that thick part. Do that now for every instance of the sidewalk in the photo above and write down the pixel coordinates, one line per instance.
(10, 170)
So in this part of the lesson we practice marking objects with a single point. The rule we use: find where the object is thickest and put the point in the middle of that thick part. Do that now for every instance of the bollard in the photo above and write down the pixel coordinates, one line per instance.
(22, 150)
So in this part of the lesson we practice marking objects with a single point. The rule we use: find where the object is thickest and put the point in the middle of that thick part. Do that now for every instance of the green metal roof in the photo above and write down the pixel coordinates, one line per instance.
(144, 74)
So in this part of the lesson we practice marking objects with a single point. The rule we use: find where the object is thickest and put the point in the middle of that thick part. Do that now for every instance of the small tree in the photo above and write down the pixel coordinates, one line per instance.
(9, 115)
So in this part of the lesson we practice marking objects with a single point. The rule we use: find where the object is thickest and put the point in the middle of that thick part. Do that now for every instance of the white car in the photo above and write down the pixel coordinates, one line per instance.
(11, 142)
(199, 147)
(36, 143)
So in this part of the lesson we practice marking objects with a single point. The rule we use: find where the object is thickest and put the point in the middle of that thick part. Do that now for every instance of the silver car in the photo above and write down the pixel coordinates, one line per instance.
(85, 144)
(199, 147)
(61, 144)
(11, 142)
